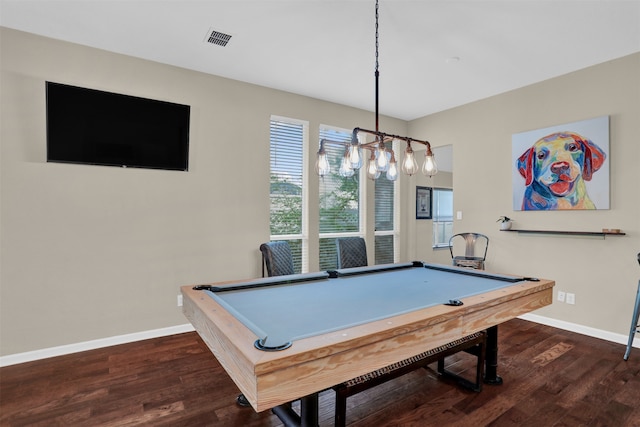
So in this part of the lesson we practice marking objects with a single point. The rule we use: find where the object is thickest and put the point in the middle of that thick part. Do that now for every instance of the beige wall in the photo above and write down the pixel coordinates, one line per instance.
(603, 274)
(91, 252)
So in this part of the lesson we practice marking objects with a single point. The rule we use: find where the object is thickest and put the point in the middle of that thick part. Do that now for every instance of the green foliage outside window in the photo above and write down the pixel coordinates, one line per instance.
(339, 210)
(286, 207)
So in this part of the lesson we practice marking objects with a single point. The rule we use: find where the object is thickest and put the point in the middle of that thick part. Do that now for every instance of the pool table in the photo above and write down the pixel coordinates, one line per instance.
(288, 337)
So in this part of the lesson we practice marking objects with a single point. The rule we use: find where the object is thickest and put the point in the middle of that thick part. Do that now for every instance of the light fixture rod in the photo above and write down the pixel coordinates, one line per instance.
(377, 72)
(382, 158)
(381, 136)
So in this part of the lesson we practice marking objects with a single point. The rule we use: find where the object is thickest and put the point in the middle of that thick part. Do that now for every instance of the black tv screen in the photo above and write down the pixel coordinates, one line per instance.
(90, 126)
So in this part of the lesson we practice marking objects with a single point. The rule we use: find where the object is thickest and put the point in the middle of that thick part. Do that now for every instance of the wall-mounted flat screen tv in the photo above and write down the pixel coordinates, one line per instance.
(93, 127)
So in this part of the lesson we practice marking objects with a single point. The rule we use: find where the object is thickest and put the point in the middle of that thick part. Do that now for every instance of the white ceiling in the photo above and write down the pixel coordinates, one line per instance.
(325, 48)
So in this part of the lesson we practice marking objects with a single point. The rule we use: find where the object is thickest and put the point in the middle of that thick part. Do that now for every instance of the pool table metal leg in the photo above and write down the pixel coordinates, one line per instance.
(308, 412)
(491, 367)
(287, 415)
(242, 401)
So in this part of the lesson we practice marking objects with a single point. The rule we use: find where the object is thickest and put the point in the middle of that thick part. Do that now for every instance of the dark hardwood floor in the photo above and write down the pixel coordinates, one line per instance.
(551, 378)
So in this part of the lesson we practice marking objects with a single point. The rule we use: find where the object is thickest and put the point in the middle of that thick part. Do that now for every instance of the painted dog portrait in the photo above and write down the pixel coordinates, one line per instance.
(555, 170)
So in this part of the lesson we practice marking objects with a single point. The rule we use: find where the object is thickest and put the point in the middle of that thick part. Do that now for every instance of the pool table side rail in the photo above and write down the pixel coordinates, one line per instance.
(269, 379)
(222, 333)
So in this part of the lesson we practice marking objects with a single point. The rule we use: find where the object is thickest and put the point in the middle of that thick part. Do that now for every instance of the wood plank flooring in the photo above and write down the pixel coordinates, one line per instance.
(551, 378)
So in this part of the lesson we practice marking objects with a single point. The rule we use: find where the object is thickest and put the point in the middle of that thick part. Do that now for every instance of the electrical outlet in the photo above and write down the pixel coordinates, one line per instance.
(561, 296)
(571, 298)
(179, 300)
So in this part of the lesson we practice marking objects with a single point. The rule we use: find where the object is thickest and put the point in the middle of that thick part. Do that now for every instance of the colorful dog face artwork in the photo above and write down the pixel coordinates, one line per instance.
(556, 170)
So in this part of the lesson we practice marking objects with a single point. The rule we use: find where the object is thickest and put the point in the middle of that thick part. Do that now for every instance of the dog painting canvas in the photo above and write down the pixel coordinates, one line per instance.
(562, 167)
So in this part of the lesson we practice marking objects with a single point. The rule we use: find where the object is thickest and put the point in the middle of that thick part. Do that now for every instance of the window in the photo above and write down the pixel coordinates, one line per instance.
(442, 210)
(287, 187)
(385, 233)
(340, 210)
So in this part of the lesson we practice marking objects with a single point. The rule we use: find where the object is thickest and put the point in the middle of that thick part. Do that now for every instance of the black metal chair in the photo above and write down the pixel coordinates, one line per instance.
(352, 252)
(474, 246)
(635, 325)
(277, 258)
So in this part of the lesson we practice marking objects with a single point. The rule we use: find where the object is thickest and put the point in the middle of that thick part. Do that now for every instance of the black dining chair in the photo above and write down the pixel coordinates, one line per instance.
(276, 258)
(351, 251)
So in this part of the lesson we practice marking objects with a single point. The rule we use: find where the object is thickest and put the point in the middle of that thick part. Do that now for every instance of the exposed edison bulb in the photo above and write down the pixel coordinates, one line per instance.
(355, 156)
(429, 168)
(345, 166)
(322, 164)
(392, 172)
(382, 161)
(372, 170)
(409, 164)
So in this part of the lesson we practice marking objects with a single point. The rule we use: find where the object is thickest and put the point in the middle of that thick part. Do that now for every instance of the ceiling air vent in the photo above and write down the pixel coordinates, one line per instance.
(216, 37)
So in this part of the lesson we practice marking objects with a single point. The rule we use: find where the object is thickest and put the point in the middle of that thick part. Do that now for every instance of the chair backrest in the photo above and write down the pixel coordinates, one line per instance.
(471, 246)
(277, 258)
(352, 252)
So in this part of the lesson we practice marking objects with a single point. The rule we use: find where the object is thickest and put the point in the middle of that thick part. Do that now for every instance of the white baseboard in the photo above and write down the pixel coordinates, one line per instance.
(30, 356)
(581, 329)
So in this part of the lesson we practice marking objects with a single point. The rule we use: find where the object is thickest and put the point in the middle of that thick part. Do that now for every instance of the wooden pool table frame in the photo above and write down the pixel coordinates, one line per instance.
(269, 379)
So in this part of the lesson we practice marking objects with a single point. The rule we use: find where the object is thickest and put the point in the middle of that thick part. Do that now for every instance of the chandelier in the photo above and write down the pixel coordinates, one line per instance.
(381, 159)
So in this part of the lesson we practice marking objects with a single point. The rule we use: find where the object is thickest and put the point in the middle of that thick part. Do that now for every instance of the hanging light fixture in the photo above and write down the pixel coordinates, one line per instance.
(382, 158)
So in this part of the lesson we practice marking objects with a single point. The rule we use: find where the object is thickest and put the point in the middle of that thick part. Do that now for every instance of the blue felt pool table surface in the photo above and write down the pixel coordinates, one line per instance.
(310, 305)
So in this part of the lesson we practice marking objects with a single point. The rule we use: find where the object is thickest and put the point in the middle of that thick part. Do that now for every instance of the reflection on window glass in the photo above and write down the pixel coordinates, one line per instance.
(442, 216)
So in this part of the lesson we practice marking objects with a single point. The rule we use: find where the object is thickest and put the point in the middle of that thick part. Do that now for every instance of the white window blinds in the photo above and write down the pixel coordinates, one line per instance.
(339, 213)
(287, 187)
(385, 233)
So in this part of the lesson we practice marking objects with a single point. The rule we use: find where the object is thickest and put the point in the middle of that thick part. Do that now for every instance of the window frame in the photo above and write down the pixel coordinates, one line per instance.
(304, 235)
(362, 205)
(395, 231)
(436, 222)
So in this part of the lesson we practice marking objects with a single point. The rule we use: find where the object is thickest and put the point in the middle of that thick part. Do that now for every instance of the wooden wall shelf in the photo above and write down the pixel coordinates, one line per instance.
(569, 233)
